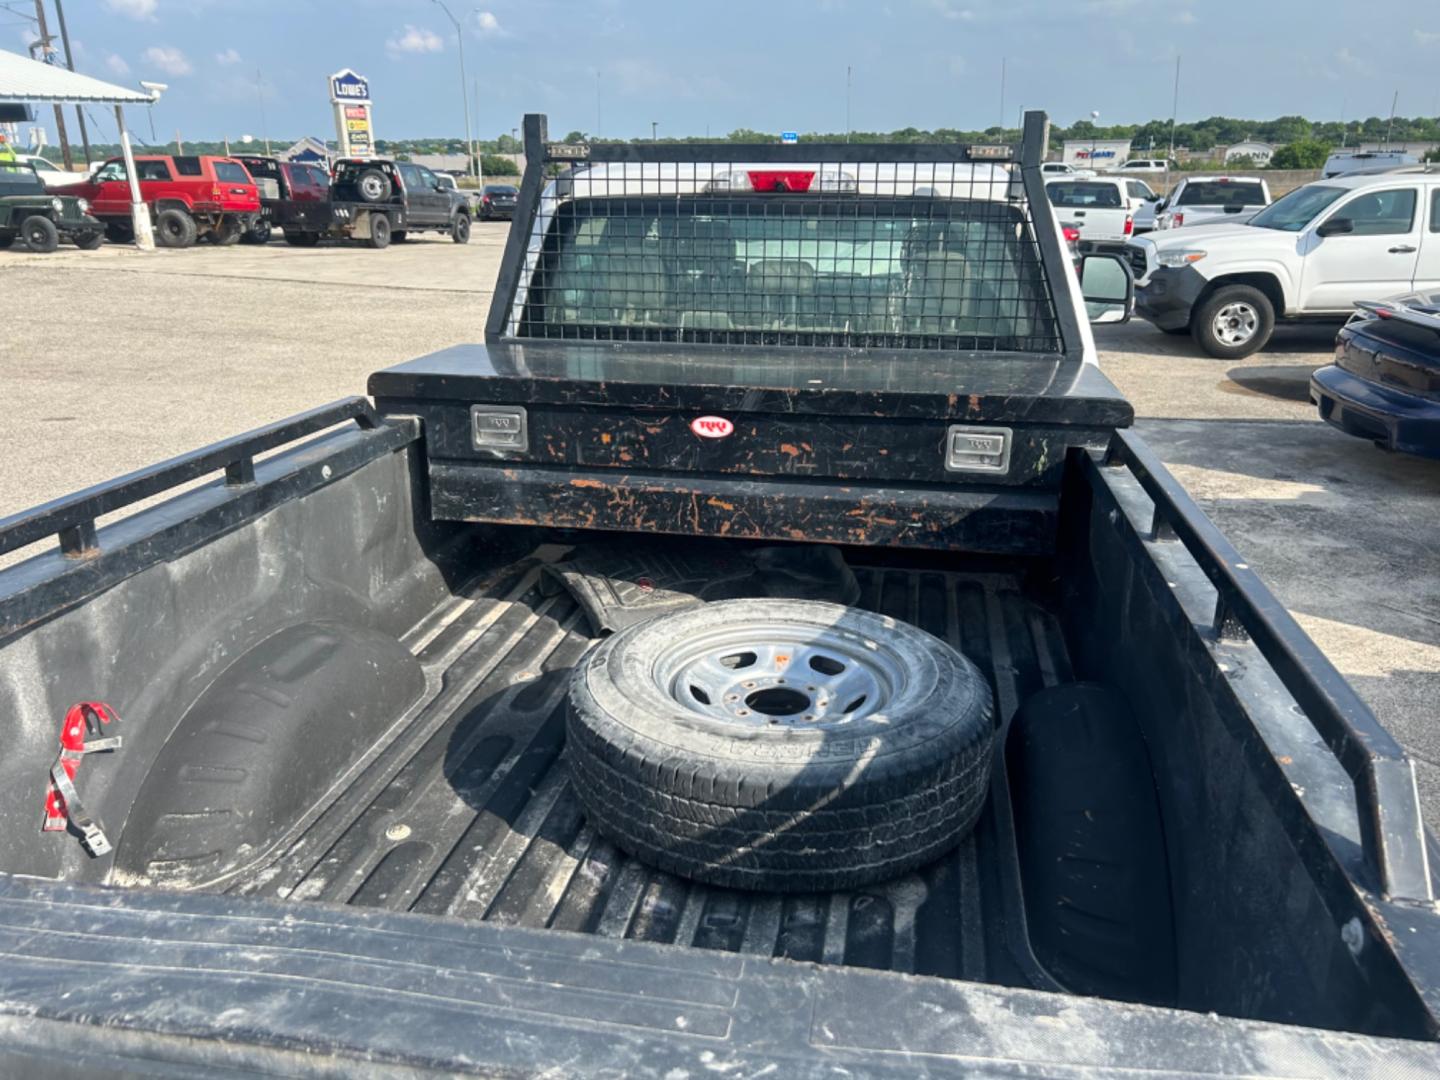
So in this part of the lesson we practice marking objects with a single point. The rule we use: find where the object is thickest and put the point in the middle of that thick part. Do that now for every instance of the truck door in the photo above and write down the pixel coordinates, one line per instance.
(1375, 259)
(417, 199)
(1427, 268)
(438, 196)
(112, 190)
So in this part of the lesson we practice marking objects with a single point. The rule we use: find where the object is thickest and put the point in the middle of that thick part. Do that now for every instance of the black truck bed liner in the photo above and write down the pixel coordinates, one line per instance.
(468, 812)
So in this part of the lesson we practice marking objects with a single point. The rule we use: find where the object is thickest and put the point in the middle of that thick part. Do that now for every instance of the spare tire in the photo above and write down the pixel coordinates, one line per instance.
(373, 186)
(787, 745)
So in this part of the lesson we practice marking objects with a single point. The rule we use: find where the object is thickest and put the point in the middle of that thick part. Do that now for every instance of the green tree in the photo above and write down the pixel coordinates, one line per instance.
(1301, 154)
(495, 165)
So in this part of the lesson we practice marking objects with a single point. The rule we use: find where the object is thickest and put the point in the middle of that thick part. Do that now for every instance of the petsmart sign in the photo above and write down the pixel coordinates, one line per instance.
(350, 95)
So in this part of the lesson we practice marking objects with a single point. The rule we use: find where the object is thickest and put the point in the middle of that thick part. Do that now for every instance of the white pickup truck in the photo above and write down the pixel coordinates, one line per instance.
(1202, 200)
(1098, 206)
(1310, 255)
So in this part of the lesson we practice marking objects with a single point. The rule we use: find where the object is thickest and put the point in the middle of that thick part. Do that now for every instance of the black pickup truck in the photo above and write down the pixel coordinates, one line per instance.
(768, 654)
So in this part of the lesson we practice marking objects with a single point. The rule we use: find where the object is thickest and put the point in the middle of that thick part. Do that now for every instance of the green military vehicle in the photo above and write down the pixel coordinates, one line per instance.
(40, 218)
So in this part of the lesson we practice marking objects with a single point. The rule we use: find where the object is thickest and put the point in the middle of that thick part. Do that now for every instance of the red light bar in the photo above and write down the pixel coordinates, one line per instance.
(778, 180)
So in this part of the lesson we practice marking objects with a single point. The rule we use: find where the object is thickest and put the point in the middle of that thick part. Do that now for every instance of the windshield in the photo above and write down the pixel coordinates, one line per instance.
(17, 179)
(1221, 193)
(885, 272)
(1082, 193)
(1292, 212)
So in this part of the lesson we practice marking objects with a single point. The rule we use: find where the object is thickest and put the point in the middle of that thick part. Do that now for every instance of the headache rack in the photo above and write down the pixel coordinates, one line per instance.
(894, 246)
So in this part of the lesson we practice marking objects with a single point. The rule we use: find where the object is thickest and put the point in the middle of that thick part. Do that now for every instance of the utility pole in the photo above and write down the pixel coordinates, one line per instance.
(1003, 62)
(598, 128)
(1389, 126)
(474, 169)
(46, 53)
(1174, 111)
(847, 103)
(70, 63)
(260, 93)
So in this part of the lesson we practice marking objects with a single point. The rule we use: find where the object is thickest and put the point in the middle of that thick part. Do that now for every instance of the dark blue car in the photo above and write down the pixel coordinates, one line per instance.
(1385, 382)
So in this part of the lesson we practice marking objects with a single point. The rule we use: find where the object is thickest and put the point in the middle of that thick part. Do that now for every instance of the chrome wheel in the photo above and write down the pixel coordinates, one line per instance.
(781, 674)
(1235, 323)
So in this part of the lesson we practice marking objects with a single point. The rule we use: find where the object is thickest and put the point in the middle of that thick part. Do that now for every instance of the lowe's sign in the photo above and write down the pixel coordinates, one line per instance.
(354, 122)
(346, 86)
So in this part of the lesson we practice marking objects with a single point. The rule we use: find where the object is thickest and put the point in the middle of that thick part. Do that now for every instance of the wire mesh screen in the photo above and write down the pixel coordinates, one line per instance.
(919, 255)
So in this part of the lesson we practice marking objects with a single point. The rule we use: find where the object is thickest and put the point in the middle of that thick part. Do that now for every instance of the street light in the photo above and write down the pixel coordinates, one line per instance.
(653, 125)
(464, 99)
(1094, 134)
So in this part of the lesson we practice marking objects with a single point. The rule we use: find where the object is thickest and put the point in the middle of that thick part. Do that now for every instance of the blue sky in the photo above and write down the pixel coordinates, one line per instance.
(764, 64)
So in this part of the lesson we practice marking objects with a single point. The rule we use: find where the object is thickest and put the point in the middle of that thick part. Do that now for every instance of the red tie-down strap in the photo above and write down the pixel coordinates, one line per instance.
(62, 802)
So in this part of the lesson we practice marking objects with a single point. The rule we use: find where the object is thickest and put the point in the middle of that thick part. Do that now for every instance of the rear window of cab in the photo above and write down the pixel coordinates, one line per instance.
(231, 172)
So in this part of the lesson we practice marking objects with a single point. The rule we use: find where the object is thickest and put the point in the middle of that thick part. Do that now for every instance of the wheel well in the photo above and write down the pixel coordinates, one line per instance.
(1268, 284)
(162, 205)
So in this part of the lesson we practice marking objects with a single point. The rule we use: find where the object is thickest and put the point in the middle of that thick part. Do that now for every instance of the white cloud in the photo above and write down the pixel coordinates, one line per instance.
(168, 59)
(134, 9)
(1427, 37)
(951, 9)
(1186, 18)
(488, 23)
(416, 39)
(1348, 60)
(227, 58)
(117, 65)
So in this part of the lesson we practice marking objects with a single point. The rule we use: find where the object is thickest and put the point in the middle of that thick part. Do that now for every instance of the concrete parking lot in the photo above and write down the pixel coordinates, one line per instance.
(112, 360)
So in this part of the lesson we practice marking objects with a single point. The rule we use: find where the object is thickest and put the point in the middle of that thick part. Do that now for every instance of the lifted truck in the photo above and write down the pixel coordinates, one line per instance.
(367, 698)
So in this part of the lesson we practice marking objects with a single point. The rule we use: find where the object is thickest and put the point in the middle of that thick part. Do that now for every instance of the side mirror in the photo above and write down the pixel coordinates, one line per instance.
(1336, 226)
(1108, 288)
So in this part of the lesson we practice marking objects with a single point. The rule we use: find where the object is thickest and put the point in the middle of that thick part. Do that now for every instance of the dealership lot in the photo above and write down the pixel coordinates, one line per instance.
(116, 359)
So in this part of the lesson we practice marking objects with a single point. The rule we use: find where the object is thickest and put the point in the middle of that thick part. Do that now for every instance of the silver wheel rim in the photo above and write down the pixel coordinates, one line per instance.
(371, 186)
(781, 674)
(1236, 323)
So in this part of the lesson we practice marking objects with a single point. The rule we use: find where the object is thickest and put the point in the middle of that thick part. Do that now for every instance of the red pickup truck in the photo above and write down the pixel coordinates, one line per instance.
(188, 197)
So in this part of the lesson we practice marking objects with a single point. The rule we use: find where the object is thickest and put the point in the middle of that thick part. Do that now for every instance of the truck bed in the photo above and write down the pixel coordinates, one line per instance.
(467, 812)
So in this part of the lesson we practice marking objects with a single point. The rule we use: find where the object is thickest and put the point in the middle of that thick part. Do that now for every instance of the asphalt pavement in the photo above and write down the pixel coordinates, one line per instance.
(112, 360)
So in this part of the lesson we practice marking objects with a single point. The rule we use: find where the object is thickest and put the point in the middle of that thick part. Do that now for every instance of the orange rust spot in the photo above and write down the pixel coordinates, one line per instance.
(789, 449)
(974, 403)
(625, 455)
(605, 437)
(584, 482)
(781, 660)
(720, 503)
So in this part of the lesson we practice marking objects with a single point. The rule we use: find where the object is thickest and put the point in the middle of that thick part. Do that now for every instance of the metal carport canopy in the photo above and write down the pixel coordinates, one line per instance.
(29, 81)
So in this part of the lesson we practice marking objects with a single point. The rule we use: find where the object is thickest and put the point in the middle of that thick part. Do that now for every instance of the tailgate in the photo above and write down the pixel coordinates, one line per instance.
(1095, 224)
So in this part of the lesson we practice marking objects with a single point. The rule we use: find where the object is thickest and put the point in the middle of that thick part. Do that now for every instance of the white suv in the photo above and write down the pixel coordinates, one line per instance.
(1309, 255)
